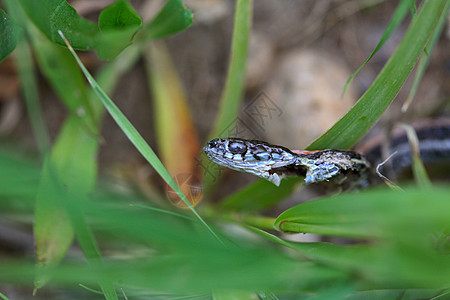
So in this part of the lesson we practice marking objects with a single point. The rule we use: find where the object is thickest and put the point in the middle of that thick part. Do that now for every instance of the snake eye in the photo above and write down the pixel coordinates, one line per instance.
(213, 143)
(237, 147)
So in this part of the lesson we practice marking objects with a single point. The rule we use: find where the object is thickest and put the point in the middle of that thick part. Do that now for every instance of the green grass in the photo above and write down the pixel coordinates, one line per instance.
(132, 248)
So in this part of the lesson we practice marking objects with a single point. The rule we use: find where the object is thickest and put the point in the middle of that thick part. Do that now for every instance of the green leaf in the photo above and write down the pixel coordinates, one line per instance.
(397, 18)
(9, 35)
(172, 18)
(400, 232)
(119, 15)
(53, 15)
(118, 24)
(77, 173)
(354, 124)
(378, 213)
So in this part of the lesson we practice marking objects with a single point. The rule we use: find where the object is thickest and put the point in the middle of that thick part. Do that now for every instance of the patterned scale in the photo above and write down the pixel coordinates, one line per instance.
(273, 162)
(255, 157)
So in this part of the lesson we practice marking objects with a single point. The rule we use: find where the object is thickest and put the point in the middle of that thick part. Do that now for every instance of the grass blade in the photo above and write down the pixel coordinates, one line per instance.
(353, 125)
(397, 18)
(134, 136)
(3, 296)
(231, 97)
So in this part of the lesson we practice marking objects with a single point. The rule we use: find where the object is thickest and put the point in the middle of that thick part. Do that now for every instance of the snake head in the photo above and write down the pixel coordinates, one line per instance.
(254, 157)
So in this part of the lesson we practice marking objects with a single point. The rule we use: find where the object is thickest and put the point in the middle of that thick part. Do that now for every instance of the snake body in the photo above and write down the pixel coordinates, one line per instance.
(273, 162)
(343, 169)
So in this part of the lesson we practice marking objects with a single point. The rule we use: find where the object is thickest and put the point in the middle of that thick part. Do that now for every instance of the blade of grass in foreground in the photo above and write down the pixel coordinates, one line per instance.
(62, 203)
(3, 297)
(354, 124)
(134, 136)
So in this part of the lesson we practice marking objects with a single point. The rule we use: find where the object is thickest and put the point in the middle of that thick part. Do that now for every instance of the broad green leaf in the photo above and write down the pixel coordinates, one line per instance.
(354, 124)
(173, 122)
(119, 15)
(113, 42)
(373, 260)
(378, 213)
(73, 161)
(118, 23)
(53, 15)
(397, 228)
(172, 18)
(134, 136)
(9, 35)
(53, 229)
(396, 19)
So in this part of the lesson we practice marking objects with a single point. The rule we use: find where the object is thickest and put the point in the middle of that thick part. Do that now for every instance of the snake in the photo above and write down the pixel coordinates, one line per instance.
(274, 162)
(345, 169)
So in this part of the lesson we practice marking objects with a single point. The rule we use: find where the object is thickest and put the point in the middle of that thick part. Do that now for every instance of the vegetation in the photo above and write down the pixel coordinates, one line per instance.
(133, 250)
